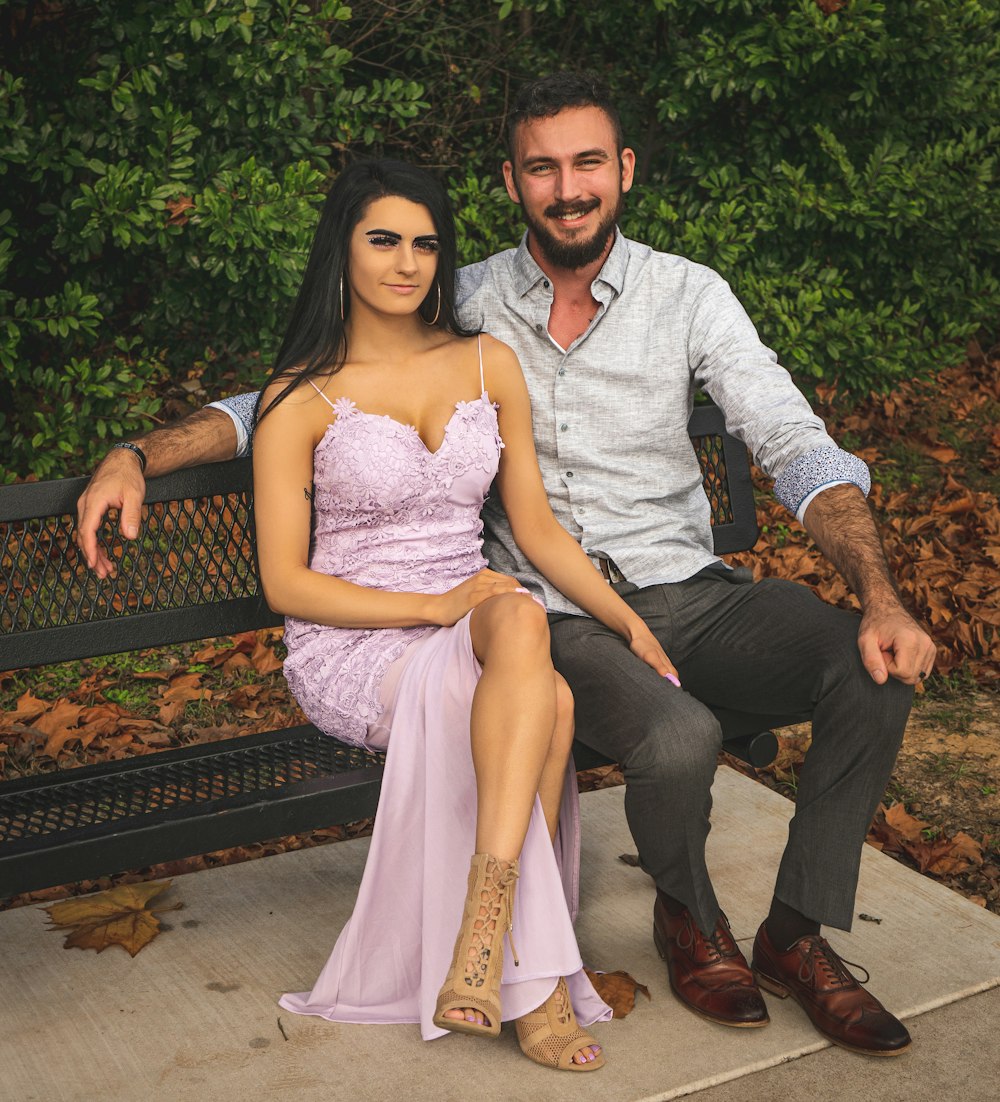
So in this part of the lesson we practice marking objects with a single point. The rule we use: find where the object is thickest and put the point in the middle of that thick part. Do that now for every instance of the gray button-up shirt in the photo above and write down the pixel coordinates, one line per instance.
(611, 411)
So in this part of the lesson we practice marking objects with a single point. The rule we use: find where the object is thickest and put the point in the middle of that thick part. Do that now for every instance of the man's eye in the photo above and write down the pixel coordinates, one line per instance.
(537, 170)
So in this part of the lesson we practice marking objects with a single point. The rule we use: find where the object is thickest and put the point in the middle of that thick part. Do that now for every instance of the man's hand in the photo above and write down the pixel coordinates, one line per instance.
(207, 436)
(118, 483)
(892, 644)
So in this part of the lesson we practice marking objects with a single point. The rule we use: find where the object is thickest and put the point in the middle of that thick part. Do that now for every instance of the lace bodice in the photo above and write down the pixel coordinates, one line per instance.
(389, 514)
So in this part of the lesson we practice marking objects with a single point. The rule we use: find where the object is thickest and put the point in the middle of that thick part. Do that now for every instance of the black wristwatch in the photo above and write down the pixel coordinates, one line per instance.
(132, 448)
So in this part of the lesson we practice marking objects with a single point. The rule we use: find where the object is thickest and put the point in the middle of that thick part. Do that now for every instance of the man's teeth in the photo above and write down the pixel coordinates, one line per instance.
(572, 217)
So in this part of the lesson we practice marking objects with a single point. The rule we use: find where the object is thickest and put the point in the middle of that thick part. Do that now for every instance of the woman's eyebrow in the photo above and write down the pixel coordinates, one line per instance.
(427, 237)
(385, 233)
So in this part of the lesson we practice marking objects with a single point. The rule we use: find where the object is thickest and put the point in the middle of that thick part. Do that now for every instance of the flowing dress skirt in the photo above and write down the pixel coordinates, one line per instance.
(393, 956)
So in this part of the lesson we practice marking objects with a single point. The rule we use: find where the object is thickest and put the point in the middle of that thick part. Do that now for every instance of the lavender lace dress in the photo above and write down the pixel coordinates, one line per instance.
(390, 514)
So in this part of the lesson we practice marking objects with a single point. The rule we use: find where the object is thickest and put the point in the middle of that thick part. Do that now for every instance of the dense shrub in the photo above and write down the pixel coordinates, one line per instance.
(161, 162)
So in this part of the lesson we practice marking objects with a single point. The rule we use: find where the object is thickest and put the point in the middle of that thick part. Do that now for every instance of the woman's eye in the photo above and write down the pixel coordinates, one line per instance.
(427, 246)
(382, 242)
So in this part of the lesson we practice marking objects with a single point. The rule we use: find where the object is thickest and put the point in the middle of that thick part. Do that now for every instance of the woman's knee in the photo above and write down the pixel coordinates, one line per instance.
(516, 620)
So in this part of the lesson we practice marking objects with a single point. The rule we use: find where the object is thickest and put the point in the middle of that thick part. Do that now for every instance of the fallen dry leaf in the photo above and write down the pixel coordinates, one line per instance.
(618, 990)
(170, 711)
(963, 852)
(264, 659)
(121, 916)
(905, 825)
(28, 708)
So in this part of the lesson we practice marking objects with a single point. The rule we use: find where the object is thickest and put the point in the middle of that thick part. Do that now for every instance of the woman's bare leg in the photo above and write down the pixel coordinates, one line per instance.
(513, 723)
(513, 714)
(550, 786)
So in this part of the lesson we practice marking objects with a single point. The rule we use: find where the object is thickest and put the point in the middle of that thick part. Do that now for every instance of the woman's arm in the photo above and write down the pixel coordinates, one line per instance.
(549, 547)
(283, 476)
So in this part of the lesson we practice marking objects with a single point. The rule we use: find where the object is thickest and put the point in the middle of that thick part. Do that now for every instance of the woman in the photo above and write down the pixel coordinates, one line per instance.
(378, 437)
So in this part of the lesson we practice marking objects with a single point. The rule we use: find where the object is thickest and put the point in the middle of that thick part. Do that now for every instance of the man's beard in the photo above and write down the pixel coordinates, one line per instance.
(573, 255)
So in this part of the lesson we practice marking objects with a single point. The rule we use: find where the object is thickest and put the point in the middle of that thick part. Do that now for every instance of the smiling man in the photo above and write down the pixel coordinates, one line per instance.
(615, 339)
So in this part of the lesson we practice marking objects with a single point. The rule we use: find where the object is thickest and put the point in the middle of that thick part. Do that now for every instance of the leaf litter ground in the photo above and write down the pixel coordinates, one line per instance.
(934, 449)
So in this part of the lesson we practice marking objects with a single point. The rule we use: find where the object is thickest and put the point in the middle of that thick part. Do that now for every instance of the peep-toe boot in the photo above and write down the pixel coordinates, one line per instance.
(477, 965)
(550, 1035)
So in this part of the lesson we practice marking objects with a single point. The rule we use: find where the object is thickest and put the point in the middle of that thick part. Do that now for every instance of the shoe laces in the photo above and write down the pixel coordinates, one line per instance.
(715, 942)
(819, 956)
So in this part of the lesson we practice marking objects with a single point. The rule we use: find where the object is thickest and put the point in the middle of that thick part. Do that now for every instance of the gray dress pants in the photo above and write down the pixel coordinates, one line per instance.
(769, 649)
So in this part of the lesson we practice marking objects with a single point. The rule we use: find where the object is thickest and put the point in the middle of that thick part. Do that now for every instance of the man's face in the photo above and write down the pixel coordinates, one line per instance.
(569, 179)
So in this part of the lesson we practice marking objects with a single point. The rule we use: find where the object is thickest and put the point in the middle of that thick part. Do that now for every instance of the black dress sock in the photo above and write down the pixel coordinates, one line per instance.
(785, 925)
(674, 906)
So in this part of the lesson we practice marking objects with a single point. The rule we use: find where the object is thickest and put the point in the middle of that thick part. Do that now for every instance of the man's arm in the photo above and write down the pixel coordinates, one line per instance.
(818, 482)
(208, 436)
(891, 642)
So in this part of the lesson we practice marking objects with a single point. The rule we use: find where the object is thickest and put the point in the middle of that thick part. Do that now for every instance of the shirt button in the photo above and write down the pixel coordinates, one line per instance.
(538, 328)
(569, 474)
(561, 371)
(545, 283)
(563, 427)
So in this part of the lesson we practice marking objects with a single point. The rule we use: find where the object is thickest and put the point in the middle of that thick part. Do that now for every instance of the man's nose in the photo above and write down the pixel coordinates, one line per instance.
(567, 185)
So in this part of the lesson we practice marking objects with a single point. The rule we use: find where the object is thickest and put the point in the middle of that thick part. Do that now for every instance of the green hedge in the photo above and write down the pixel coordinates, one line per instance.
(162, 162)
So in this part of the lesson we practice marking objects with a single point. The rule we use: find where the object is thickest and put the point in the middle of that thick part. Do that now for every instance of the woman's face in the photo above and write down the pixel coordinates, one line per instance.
(393, 256)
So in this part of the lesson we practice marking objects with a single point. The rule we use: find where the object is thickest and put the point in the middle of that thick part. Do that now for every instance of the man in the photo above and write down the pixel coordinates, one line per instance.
(614, 339)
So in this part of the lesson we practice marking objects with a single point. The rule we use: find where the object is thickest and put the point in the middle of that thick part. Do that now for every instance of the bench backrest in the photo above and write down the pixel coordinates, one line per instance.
(192, 572)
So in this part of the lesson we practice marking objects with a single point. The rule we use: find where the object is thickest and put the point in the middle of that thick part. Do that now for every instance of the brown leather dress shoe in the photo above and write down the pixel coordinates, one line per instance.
(837, 1005)
(708, 974)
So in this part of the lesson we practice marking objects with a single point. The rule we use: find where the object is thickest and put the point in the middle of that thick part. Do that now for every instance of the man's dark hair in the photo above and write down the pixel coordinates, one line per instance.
(547, 96)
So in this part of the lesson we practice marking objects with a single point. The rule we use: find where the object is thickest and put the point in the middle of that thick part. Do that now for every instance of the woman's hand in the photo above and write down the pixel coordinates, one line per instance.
(644, 645)
(454, 604)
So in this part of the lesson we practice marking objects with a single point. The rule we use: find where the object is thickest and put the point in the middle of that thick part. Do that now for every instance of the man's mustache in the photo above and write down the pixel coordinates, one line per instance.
(561, 210)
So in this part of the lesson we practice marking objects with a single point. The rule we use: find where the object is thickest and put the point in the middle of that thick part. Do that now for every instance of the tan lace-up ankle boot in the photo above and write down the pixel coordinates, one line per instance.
(477, 964)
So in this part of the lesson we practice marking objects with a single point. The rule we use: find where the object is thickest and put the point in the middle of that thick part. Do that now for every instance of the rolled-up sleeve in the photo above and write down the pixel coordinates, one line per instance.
(240, 408)
(817, 470)
(762, 405)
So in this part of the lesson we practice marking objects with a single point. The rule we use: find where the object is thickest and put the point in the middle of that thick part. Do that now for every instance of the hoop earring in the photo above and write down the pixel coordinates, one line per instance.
(437, 312)
(341, 296)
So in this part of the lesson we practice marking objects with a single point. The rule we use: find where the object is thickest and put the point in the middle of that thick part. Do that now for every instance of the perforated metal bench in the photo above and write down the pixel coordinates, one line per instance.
(192, 575)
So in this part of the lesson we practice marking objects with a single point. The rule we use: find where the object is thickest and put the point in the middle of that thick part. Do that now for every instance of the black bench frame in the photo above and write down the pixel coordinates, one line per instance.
(192, 575)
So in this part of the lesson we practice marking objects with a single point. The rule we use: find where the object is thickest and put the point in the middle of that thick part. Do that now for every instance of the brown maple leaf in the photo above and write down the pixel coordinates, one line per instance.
(121, 916)
(618, 990)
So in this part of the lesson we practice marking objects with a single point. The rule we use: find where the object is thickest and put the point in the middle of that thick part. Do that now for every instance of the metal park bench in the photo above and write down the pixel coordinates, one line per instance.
(192, 575)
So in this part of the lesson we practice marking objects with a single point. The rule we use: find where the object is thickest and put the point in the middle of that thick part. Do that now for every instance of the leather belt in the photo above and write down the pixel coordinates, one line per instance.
(607, 567)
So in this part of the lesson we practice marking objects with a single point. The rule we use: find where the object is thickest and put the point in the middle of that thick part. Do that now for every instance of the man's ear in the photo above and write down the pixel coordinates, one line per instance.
(511, 182)
(628, 168)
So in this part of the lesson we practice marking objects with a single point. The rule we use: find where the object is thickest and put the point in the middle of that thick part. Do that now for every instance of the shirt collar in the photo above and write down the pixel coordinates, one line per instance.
(526, 273)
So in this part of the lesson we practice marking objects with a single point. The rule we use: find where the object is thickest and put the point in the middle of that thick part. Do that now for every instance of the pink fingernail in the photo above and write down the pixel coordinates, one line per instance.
(521, 589)
(673, 680)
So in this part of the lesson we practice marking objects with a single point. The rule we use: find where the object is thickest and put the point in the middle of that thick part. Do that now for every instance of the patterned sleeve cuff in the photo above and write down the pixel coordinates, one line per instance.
(816, 470)
(240, 408)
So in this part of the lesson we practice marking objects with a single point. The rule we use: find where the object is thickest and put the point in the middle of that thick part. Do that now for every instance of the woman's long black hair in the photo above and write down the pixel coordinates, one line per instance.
(316, 338)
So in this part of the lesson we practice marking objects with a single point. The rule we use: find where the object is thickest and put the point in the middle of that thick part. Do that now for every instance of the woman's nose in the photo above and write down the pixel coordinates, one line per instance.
(406, 260)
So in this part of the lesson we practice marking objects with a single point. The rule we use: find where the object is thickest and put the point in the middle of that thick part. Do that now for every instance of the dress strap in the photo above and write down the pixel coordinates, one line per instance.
(321, 394)
(482, 380)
